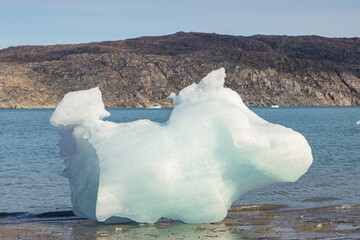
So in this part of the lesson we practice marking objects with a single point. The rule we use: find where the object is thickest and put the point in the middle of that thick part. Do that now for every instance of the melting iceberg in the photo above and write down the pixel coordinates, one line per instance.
(210, 152)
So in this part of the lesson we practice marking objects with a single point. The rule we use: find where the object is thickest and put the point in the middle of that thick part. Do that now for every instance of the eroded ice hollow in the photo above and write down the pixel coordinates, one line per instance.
(210, 152)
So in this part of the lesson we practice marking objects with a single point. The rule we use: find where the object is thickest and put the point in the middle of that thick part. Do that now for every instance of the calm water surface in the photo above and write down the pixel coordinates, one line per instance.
(30, 165)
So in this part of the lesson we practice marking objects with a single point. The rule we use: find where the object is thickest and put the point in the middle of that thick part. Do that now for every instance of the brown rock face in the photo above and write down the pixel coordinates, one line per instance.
(142, 72)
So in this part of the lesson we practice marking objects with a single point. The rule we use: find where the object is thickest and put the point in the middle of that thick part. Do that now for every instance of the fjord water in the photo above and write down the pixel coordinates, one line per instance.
(30, 165)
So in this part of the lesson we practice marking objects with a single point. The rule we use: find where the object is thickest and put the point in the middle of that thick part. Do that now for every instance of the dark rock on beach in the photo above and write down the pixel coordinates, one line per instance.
(142, 72)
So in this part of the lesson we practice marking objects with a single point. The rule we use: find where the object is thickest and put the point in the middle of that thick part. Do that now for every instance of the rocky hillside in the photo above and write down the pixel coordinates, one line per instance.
(142, 72)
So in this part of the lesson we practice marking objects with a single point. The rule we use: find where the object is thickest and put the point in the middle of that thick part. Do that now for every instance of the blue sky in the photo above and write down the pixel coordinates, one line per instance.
(45, 22)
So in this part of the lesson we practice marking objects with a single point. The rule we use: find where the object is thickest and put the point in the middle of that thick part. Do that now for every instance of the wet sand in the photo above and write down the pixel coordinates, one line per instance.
(242, 222)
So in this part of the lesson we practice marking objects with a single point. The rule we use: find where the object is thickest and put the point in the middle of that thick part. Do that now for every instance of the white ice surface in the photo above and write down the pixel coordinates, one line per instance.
(211, 151)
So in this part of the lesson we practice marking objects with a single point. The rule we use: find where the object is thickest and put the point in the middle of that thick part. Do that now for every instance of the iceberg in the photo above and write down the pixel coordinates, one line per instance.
(211, 151)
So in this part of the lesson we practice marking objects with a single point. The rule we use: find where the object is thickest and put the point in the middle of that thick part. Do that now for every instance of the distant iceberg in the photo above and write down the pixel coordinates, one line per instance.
(275, 106)
(210, 152)
(358, 122)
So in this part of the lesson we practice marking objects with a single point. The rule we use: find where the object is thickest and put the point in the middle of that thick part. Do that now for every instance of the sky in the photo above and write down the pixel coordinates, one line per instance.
(48, 22)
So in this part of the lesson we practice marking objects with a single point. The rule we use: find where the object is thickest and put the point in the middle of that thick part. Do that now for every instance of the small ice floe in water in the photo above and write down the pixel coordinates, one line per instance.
(154, 107)
(210, 152)
(275, 106)
(358, 122)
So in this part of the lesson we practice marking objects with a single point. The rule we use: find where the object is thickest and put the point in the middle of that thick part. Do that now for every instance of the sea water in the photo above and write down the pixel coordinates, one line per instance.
(30, 166)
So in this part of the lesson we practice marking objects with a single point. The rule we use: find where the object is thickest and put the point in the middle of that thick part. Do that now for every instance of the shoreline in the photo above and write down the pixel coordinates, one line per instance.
(157, 108)
(256, 221)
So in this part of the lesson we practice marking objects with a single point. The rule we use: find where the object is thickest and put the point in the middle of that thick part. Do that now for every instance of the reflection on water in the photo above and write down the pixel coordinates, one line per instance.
(160, 230)
(320, 223)
(341, 222)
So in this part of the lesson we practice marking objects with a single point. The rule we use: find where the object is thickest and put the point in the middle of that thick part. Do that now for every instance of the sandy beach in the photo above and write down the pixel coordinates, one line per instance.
(242, 222)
